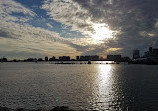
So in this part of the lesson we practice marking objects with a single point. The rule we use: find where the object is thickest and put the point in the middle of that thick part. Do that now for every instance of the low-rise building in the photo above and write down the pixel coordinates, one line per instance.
(116, 58)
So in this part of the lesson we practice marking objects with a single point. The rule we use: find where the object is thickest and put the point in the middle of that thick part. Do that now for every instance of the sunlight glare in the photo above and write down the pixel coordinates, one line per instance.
(105, 73)
(102, 32)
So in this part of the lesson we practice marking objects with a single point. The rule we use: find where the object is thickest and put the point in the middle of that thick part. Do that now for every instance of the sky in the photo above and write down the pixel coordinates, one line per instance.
(39, 28)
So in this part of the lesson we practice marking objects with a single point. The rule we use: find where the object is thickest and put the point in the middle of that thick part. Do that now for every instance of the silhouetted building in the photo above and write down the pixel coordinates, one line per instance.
(14, 60)
(64, 58)
(52, 59)
(126, 59)
(31, 60)
(82, 57)
(116, 58)
(88, 57)
(150, 49)
(151, 53)
(46, 58)
(94, 57)
(77, 58)
(136, 54)
(150, 57)
(3, 59)
(155, 52)
(40, 59)
(101, 58)
(140, 61)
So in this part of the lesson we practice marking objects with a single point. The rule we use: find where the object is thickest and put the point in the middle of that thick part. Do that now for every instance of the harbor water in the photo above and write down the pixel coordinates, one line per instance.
(103, 87)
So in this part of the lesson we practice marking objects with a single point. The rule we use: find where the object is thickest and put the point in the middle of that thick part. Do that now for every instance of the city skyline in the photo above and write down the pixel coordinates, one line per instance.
(35, 28)
(152, 53)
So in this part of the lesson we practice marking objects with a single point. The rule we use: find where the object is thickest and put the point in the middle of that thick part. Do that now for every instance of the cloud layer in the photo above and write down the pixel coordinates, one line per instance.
(136, 21)
(18, 38)
(131, 25)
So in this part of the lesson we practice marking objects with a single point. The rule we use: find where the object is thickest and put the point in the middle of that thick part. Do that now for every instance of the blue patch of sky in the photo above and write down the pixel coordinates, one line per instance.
(42, 19)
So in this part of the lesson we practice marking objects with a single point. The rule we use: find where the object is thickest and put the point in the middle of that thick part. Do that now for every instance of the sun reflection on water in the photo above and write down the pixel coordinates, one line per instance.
(104, 79)
(104, 87)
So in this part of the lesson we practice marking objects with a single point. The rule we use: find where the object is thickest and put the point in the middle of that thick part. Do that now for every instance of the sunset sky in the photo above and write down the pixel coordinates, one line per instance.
(38, 28)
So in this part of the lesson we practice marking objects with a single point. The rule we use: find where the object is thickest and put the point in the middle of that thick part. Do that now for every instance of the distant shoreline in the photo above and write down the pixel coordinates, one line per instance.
(86, 62)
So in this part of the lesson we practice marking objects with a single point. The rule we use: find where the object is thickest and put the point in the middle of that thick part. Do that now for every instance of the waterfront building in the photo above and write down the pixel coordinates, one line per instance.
(4, 59)
(77, 58)
(152, 53)
(126, 59)
(88, 57)
(150, 57)
(40, 59)
(116, 58)
(52, 59)
(46, 58)
(136, 54)
(64, 58)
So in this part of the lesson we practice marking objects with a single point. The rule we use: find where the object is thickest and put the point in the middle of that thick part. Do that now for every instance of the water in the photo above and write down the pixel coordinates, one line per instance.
(107, 87)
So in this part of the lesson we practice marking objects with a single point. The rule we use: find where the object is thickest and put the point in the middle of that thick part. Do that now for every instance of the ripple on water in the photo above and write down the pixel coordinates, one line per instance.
(96, 86)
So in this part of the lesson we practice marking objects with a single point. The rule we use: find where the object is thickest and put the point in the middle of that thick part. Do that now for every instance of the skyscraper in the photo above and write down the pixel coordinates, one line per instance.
(136, 54)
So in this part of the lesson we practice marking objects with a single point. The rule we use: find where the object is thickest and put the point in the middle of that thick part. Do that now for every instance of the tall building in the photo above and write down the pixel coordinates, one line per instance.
(77, 57)
(46, 58)
(136, 54)
(150, 49)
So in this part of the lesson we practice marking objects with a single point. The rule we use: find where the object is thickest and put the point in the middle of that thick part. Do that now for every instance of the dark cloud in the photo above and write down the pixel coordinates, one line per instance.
(130, 17)
(135, 20)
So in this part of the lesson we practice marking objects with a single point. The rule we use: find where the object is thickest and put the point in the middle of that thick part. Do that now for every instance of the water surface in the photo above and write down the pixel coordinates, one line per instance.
(79, 86)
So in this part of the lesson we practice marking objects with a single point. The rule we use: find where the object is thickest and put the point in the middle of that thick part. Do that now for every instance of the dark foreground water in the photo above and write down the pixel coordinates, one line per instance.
(80, 86)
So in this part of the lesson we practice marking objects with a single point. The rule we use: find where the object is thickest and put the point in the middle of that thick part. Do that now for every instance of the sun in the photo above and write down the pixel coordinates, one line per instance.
(101, 32)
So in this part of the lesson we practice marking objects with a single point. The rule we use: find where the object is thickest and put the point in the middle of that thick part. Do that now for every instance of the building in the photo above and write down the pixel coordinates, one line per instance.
(64, 58)
(150, 57)
(152, 53)
(101, 58)
(95, 57)
(46, 58)
(155, 52)
(31, 60)
(40, 59)
(3, 59)
(126, 59)
(116, 58)
(77, 58)
(150, 49)
(88, 57)
(136, 54)
(52, 59)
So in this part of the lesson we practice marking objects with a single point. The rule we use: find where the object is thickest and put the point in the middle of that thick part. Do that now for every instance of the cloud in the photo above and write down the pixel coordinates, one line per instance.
(131, 24)
(136, 21)
(69, 13)
(10, 7)
(38, 40)
(18, 36)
